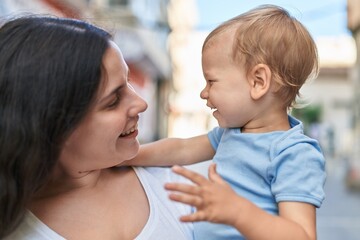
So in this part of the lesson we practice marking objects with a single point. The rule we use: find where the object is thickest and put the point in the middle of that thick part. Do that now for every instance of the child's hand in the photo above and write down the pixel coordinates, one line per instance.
(214, 199)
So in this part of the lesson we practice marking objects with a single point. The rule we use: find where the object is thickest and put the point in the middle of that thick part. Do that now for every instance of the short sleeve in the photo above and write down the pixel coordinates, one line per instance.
(215, 136)
(298, 173)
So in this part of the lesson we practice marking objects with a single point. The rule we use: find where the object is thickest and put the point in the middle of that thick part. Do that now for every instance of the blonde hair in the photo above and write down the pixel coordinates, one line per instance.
(269, 35)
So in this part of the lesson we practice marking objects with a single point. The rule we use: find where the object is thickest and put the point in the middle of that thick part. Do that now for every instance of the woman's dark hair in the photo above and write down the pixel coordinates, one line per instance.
(50, 70)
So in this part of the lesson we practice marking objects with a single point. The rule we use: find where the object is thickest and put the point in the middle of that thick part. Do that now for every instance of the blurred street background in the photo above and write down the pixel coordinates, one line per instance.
(339, 216)
(161, 41)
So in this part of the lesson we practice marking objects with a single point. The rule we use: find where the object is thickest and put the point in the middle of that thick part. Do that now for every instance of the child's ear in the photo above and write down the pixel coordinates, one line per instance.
(259, 79)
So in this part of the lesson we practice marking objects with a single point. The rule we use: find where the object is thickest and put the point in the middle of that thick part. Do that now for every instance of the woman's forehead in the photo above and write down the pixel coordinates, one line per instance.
(114, 70)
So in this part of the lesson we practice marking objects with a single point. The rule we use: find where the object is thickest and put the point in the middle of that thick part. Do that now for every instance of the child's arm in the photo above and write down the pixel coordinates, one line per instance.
(174, 151)
(216, 202)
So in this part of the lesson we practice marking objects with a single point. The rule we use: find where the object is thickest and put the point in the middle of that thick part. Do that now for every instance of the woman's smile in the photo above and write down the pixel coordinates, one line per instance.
(130, 132)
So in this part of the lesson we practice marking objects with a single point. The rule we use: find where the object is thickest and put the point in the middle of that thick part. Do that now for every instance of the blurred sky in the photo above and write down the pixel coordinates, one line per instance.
(321, 17)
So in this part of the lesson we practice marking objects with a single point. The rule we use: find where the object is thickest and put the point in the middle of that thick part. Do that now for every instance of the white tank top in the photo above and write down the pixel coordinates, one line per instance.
(163, 222)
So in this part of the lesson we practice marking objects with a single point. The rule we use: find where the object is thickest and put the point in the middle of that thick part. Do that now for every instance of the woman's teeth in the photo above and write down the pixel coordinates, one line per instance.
(129, 131)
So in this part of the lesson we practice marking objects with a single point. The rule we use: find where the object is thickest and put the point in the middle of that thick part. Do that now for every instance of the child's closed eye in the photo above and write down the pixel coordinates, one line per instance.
(211, 82)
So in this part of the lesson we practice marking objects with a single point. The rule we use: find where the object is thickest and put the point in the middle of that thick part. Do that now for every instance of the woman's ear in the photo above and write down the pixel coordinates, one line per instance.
(260, 80)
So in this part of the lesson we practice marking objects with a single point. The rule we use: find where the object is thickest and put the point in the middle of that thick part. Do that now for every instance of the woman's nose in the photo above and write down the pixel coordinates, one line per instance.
(144, 105)
(141, 103)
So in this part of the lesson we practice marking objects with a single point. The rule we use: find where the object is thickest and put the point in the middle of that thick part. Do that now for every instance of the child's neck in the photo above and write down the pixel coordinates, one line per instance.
(270, 123)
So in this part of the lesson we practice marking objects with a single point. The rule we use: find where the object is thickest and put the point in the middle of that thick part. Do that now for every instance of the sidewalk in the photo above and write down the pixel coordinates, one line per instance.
(339, 216)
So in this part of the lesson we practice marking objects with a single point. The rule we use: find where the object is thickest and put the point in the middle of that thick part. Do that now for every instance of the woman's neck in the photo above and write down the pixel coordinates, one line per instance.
(61, 182)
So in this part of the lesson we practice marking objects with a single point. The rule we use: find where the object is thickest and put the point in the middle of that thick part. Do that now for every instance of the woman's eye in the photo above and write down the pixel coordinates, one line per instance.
(115, 102)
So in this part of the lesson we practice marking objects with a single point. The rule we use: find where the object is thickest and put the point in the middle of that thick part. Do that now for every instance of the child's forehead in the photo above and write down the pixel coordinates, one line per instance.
(223, 38)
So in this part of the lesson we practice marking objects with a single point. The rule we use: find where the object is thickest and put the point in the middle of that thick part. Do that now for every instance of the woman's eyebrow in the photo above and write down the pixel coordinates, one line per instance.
(117, 89)
(114, 91)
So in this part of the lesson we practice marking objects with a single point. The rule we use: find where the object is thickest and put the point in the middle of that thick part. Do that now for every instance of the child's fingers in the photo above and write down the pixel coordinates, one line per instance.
(186, 199)
(213, 175)
(183, 188)
(191, 175)
(195, 217)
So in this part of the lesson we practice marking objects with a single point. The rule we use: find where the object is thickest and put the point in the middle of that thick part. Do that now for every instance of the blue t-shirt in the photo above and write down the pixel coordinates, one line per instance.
(266, 168)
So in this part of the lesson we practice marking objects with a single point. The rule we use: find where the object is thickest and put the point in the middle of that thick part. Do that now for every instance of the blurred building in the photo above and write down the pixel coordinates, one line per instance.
(331, 93)
(353, 177)
(140, 28)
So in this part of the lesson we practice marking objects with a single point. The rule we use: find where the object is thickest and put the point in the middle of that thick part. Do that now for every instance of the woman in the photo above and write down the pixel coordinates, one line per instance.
(67, 116)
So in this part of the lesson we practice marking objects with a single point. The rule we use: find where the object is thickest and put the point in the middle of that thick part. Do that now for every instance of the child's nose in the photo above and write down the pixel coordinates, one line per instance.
(204, 93)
